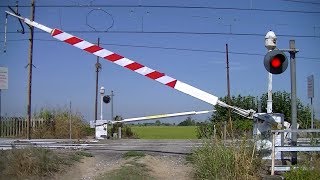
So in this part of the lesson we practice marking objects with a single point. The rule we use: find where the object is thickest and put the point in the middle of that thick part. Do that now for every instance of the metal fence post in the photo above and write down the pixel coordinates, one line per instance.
(70, 122)
(273, 154)
(214, 131)
(224, 132)
(119, 132)
(1, 128)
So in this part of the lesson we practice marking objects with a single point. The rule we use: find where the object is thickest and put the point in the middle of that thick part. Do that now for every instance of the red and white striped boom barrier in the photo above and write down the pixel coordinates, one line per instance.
(134, 66)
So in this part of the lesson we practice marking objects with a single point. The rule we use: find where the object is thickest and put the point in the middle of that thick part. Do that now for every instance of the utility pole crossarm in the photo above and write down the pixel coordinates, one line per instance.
(134, 66)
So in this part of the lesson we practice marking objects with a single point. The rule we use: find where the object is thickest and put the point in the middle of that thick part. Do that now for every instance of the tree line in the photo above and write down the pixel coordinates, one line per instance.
(281, 103)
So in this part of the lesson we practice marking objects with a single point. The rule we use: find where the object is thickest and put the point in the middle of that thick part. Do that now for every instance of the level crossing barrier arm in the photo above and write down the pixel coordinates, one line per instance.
(134, 66)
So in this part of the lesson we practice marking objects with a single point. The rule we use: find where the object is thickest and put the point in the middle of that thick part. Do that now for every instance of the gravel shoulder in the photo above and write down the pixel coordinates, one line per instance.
(168, 167)
(92, 167)
(160, 166)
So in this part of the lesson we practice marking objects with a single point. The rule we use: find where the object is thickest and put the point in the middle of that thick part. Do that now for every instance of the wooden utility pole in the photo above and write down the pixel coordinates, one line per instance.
(228, 87)
(98, 67)
(228, 81)
(30, 66)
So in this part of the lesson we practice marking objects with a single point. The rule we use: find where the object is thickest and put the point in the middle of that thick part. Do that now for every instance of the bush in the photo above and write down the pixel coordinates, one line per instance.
(301, 173)
(216, 161)
(32, 163)
(188, 122)
(88, 131)
(308, 167)
(240, 128)
(204, 130)
(126, 131)
(56, 125)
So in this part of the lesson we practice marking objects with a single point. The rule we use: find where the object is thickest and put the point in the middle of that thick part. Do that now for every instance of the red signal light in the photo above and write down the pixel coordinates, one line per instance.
(275, 62)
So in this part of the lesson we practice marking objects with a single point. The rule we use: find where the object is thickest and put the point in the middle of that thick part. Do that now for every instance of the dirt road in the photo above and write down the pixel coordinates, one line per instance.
(165, 159)
(160, 166)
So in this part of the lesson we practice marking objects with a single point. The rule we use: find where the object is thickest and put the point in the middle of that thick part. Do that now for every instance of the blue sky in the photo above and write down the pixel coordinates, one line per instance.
(64, 73)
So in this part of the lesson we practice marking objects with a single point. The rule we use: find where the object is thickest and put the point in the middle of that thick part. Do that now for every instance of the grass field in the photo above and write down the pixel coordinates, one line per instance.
(165, 132)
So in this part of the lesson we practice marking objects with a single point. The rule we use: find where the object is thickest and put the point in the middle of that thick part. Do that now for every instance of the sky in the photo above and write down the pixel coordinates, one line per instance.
(139, 30)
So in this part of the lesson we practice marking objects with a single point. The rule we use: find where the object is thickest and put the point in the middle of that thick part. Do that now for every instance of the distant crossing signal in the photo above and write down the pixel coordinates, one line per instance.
(106, 99)
(275, 62)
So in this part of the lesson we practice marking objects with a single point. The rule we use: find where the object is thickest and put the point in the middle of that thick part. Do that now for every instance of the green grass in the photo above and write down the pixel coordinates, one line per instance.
(302, 173)
(130, 154)
(165, 132)
(216, 161)
(130, 171)
(307, 168)
(84, 154)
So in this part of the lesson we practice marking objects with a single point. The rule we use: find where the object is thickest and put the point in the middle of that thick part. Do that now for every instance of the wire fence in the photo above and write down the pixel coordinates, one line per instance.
(307, 149)
(17, 126)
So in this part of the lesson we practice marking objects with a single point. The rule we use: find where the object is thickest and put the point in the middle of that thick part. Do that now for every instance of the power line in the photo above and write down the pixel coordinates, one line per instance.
(170, 48)
(180, 32)
(303, 2)
(173, 7)
(310, 58)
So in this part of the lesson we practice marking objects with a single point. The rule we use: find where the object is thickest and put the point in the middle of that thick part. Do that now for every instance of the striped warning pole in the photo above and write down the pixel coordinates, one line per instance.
(133, 66)
(125, 62)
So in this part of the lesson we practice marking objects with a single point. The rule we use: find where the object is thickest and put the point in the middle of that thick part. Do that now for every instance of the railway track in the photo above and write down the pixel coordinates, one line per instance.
(162, 146)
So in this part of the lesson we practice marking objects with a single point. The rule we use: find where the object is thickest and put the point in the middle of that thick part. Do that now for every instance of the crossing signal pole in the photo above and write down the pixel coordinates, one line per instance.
(275, 62)
(293, 52)
(270, 44)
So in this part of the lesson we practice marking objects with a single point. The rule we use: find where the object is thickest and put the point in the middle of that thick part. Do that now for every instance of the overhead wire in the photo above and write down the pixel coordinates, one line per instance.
(173, 7)
(303, 2)
(105, 12)
(170, 48)
(91, 5)
(174, 32)
(181, 32)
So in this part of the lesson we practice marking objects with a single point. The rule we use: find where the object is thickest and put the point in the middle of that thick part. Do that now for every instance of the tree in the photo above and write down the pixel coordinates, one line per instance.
(188, 122)
(126, 131)
(118, 118)
(244, 102)
(238, 124)
(158, 123)
(281, 103)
